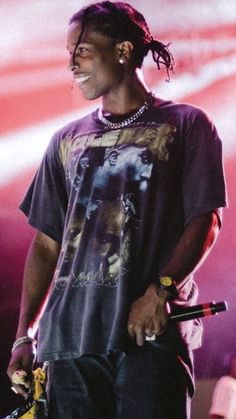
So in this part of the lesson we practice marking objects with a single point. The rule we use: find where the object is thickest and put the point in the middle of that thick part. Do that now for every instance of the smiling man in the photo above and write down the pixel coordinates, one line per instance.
(126, 204)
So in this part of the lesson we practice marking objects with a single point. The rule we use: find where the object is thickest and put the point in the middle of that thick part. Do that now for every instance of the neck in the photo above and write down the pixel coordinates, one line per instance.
(127, 98)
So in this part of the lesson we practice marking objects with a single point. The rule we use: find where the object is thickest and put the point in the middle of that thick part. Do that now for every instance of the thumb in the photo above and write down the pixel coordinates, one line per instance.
(21, 377)
(28, 378)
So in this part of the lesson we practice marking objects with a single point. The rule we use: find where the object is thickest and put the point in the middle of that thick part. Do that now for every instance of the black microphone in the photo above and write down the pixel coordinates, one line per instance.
(179, 314)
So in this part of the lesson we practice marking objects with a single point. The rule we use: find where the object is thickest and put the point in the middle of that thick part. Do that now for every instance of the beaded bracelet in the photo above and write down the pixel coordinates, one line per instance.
(21, 341)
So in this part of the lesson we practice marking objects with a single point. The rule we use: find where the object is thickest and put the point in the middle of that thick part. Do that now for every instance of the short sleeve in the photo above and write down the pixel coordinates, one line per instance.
(45, 203)
(203, 176)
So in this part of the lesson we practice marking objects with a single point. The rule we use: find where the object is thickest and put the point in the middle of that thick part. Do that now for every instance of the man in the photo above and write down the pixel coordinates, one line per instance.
(127, 205)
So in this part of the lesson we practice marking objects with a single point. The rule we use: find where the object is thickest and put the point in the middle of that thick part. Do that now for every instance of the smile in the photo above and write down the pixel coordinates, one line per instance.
(80, 79)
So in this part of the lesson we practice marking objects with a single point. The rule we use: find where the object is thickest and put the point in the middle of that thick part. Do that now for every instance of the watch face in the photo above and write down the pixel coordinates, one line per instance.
(166, 281)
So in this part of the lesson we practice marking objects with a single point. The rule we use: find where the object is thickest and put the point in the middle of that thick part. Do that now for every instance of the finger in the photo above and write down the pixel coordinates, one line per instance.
(156, 327)
(140, 337)
(149, 328)
(131, 330)
(159, 327)
(20, 377)
(148, 332)
(18, 389)
(28, 383)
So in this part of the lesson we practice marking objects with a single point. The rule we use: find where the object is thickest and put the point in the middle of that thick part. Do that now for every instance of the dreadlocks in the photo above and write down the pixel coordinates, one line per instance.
(122, 22)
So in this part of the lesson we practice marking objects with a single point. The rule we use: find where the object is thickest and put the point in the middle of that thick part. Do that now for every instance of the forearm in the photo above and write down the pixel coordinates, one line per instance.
(148, 314)
(38, 274)
(193, 247)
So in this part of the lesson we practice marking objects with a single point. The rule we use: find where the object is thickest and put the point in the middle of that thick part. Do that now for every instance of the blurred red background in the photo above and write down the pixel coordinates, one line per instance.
(37, 98)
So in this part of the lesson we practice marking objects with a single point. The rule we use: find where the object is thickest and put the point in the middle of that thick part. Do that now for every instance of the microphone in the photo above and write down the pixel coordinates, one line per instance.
(179, 314)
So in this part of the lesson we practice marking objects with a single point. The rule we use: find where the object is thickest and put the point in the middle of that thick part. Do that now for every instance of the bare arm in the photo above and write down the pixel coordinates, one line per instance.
(39, 268)
(148, 314)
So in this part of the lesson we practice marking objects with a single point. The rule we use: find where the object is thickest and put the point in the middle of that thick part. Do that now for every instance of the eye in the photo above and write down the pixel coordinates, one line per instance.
(82, 51)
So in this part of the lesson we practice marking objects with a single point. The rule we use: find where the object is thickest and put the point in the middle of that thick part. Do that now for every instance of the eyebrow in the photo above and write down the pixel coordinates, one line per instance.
(81, 42)
(74, 44)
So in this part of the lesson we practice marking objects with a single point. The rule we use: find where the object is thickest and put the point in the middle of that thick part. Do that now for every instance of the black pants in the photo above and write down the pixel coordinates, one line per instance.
(149, 383)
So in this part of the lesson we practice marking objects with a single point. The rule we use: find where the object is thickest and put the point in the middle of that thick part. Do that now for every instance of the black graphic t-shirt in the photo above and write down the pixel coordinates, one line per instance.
(118, 201)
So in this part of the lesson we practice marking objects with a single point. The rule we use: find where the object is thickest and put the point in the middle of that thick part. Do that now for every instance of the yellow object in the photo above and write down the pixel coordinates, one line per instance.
(39, 382)
(35, 406)
(39, 379)
(166, 281)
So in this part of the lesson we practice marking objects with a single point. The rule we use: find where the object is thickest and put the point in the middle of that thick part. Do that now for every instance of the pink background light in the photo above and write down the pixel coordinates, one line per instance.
(36, 99)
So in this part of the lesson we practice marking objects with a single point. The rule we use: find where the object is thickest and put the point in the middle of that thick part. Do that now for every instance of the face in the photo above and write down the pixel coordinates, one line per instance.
(135, 162)
(97, 71)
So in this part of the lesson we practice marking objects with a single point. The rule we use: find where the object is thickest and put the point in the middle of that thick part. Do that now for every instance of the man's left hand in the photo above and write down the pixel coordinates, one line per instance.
(148, 315)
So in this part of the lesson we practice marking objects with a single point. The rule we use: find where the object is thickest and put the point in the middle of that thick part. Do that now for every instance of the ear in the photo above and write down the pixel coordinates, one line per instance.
(124, 51)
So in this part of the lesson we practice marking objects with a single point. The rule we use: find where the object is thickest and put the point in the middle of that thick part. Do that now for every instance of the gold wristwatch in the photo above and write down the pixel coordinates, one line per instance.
(166, 282)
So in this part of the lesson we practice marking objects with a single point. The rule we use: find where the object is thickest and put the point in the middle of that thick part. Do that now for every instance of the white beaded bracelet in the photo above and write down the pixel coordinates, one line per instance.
(21, 341)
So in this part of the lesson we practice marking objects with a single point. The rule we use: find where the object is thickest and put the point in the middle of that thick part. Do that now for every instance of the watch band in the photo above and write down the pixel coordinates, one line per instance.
(166, 282)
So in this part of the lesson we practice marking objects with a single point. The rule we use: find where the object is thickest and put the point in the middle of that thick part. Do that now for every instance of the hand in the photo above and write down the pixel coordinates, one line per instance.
(148, 315)
(22, 360)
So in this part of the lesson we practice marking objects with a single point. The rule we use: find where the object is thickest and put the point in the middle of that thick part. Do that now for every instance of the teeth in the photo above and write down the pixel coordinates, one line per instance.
(82, 79)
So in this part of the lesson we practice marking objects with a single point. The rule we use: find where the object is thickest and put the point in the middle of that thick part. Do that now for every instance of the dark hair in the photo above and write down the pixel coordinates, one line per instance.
(122, 22)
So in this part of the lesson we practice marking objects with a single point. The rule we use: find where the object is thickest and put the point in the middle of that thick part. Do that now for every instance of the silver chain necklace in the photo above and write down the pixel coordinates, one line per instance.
(127, 121)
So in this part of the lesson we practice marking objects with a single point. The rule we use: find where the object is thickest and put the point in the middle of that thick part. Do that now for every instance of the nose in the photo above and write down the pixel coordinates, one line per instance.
(72, 66)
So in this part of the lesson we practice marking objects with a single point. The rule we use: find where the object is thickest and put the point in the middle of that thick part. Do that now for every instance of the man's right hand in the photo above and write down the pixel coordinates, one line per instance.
(38, 274)
(22, 358)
